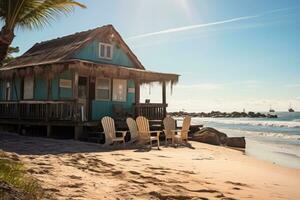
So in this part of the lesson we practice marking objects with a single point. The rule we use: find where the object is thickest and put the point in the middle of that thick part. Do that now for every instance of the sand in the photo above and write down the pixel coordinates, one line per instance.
(70, 169)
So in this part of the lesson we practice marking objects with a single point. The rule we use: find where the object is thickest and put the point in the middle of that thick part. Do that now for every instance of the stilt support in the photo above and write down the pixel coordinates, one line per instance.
(49, 127)
(78, 132)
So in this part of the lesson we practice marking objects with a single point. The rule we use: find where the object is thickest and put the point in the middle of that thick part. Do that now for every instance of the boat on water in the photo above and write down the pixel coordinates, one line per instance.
(291, 109)
(271, 109)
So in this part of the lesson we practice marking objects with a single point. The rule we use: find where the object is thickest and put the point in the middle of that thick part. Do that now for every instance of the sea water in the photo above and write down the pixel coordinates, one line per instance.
(274, 139)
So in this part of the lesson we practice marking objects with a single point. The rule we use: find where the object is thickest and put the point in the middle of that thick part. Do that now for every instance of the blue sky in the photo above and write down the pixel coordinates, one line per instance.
(232, 54)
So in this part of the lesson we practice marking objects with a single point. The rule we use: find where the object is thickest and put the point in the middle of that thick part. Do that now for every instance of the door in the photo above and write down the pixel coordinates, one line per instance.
(83, 96)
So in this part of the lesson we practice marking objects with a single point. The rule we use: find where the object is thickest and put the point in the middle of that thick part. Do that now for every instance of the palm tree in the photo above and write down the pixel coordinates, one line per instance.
(10, 57)
(29, 14)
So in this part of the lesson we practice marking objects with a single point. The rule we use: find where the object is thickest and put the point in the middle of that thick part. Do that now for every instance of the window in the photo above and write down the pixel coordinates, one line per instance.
(102, 89)
(119, 90)
(105, 51)
(7, 91)
(28, 87)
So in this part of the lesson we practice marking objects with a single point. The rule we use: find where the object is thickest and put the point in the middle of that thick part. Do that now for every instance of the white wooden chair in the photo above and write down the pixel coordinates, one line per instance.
(108, 125)
(144, 131)
(131, 123)
(169, 125)
(182, 134)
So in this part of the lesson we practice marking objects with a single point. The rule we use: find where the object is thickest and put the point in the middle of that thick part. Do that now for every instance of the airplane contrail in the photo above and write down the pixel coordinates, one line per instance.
(185, 28)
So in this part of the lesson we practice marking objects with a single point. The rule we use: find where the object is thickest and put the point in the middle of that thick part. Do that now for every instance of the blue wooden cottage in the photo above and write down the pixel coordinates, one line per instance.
(77, 79)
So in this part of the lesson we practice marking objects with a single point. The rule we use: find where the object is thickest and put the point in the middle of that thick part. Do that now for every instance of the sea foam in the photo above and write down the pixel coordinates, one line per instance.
(239, 121)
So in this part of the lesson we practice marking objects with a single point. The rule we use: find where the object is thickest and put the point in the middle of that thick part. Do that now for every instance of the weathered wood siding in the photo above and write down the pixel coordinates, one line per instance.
(91, 53)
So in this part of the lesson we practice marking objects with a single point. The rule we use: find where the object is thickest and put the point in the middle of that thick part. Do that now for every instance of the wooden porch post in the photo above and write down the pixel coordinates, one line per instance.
(137, 98)
(137, 92)
(75, 85)
(164, 98)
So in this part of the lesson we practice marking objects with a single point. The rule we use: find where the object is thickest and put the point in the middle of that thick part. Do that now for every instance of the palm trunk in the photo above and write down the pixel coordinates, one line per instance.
(6, 38)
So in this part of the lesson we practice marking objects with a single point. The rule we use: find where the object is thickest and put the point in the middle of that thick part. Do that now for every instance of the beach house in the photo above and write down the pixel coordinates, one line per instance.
(77, 79)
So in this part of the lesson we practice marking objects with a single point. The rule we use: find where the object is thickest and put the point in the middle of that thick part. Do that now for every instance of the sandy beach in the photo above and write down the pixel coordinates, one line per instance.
(69, 169)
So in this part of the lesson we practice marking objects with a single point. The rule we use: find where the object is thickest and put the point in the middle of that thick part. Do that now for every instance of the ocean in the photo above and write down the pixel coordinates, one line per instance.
(275, 140)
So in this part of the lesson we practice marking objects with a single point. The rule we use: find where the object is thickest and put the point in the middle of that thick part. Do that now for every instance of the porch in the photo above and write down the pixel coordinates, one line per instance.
(69, 111)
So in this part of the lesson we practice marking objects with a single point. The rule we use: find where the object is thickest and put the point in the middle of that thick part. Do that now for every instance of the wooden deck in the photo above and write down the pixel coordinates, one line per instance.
(152, 111)
(43, 111)
(67, 113)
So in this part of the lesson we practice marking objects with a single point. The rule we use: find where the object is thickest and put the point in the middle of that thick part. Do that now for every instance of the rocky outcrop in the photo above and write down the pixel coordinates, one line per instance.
(207, 137)
(215, 137)
(221, 136)
(238, 142)
(218, 114)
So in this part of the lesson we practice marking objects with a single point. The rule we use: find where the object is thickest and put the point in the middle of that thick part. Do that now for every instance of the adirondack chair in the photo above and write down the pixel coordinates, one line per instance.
(182, 134)
(108, 125)
(169, 125)
(131, 123)
(144, 131)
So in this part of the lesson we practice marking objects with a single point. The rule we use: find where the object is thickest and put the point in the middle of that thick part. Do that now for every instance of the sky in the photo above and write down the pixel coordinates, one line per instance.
(231, 54)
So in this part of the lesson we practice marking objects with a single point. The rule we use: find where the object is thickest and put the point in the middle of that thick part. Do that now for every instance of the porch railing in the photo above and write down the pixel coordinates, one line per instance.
(152, 111)
(41, 110)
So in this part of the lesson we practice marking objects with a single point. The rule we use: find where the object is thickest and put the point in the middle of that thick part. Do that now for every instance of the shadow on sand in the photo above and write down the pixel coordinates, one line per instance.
(27, 145)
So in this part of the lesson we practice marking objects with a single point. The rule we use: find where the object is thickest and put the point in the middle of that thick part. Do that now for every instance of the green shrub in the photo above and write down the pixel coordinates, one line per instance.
(13, 174)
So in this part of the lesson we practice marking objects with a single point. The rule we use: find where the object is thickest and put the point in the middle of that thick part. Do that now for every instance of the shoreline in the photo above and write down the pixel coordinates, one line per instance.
(265, 139)
(73, 169)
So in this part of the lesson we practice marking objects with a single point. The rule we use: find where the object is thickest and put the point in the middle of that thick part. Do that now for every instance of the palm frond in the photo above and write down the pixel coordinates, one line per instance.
(34, 13)
(45, 12)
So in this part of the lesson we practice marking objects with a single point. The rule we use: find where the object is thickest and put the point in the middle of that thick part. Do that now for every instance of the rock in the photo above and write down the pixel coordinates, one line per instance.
(236, 142)
(207, 137)
(194, 129)
(215, 137)
(222, 136)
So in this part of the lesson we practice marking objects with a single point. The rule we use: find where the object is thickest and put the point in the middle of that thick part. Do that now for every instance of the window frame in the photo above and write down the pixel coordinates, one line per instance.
(109, 89)
(105, 51)
(125, 89)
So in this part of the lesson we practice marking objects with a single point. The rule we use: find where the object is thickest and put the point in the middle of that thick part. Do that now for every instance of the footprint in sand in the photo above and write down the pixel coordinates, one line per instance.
(208, 158)
(75, 177)
(129, 159)
(75, 185)
(163, 156)
(51, 190)
(134, 173)
(161, 196)
(116, 173)
(237, 184)
(186, 172)
(117, 154)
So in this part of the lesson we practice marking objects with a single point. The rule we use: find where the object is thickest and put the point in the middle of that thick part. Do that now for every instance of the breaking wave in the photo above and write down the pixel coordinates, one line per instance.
(287, 124)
